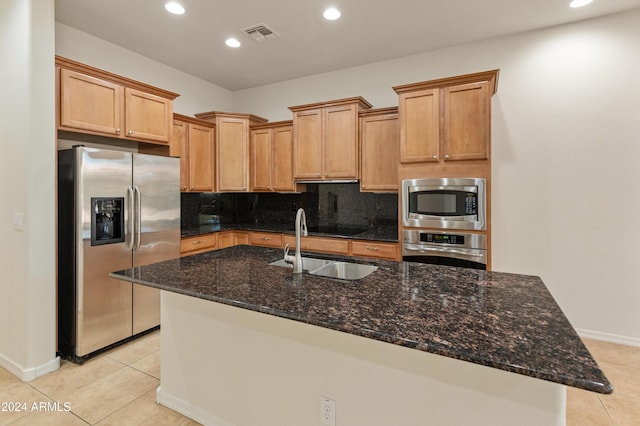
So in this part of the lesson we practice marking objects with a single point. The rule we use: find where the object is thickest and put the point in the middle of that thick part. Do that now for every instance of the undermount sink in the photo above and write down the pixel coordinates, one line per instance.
(331, 269)
(345, 270)
(308, 263)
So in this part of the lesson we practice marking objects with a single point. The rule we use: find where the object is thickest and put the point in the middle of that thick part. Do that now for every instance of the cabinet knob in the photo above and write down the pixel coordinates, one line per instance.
(118, 130)
(435, 157)
(326, 174)
(362, 186)
(446, 157)
(317, 174)
(130, 132)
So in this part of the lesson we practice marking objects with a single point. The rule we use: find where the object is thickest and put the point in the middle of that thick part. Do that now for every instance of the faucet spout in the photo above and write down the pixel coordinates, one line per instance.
(301, 228)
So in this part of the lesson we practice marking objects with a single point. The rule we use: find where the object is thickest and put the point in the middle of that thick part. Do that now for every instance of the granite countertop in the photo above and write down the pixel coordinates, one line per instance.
(500, 320)
(379, 233)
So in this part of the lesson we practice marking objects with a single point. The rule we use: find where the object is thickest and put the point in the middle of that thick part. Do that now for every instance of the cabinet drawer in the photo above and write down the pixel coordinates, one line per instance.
(369, 249)
(198, 244)
(324, 245)
(265, 239)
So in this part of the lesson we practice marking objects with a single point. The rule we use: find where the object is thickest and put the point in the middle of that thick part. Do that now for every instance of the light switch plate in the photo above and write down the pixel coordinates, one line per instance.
(18, 221)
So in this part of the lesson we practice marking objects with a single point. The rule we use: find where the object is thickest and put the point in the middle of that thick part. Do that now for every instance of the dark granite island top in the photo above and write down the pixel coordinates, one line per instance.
(505, 321)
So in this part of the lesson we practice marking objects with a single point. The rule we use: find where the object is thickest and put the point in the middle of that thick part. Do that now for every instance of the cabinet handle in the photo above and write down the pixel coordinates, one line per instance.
(118, 130)
(373, 248)
(197, 242)
(266, 238)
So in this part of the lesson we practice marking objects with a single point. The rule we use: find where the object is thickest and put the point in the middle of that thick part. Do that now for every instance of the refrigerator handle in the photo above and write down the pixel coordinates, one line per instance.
(130, 200)
(138, 213)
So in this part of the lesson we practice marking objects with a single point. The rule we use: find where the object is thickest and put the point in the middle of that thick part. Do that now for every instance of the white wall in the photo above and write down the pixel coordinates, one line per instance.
(566, 140)
(27, 172)
(196, 95)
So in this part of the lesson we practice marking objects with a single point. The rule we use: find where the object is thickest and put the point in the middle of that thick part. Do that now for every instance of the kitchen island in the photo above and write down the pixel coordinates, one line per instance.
(409, 344)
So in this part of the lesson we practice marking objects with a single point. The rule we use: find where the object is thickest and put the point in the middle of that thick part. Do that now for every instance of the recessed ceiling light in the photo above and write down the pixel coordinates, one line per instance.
(331, 14)
(579, 3)
(232, 42)
(174, 7)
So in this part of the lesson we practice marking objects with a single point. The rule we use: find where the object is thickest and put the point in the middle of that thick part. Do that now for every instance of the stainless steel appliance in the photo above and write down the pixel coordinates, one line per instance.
(445, 248)
(444, 203)
(116, 210)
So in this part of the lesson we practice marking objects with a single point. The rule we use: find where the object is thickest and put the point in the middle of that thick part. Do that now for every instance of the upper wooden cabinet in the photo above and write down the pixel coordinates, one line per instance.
(94, 101)
(232, 153)
(447, 119)
(379, 148)
(194, 142)
(271, 157)
(325, 139)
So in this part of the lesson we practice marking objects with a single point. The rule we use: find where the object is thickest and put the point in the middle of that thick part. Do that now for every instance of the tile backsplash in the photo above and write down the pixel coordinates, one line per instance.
(324, 204)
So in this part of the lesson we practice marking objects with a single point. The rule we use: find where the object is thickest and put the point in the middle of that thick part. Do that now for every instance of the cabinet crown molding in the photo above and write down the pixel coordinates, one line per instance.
(378, 111)
(362, 104)
(272, 124)
(212, 115)
(114, 78)
(193, 120)
(489, 76)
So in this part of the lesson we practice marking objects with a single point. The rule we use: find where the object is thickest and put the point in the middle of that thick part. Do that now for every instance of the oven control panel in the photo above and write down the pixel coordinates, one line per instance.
(455, 239)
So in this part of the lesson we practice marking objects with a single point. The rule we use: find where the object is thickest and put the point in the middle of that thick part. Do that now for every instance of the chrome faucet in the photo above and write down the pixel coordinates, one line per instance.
(301, 227)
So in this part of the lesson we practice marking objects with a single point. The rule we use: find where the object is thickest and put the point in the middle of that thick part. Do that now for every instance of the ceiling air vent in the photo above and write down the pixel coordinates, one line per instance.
(261, 33)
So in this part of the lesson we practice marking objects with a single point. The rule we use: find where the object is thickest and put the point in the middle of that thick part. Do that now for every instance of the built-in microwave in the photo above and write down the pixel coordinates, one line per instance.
(444, 203)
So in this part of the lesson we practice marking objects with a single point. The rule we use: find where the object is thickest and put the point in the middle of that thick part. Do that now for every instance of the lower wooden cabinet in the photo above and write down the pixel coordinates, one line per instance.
(265, 239)
(320, 244)
(232, 238)
(375, 249)
(343, 246)
(198, 244)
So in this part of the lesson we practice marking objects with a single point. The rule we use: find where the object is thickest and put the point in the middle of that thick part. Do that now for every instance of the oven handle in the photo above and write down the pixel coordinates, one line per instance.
(445, 250)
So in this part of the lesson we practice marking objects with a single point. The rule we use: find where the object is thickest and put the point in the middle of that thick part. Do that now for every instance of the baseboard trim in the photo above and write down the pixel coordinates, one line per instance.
(186, 409)
(608, 337)
(29, 374)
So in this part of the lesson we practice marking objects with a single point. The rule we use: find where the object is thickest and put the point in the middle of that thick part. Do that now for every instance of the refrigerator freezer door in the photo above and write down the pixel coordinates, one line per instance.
(104, 306)
(157, 183)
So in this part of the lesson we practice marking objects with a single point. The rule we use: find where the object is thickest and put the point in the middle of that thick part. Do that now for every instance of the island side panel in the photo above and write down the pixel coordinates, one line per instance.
(222, 365)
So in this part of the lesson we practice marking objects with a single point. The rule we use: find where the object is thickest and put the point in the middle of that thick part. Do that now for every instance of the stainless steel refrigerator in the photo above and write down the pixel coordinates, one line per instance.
(116, 210)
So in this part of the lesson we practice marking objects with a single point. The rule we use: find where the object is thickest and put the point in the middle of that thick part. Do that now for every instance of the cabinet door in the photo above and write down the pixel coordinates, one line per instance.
(148, 117)
(467, 122)
(419, 114)
(88, 103)
(201, 158)
(379, 137)
(260, 166)
(179, 148)
(282, 159)
(374, 249)
(341, 142)
(198, 244)
(308, 137)
(265, 239)
(233, 154)
(320, 244)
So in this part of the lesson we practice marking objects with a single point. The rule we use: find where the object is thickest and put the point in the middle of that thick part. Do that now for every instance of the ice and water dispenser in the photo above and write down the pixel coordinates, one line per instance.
(107, 220)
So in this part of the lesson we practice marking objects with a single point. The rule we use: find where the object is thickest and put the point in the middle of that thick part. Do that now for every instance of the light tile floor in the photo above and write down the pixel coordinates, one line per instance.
(621, 365)
(119, 388)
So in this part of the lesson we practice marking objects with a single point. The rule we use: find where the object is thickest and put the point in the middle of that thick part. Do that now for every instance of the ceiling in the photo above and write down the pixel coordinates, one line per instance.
(368, 31)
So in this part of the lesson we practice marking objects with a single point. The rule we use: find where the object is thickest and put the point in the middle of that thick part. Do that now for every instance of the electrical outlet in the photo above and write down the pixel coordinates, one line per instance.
(18, 221)
(327, 411)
